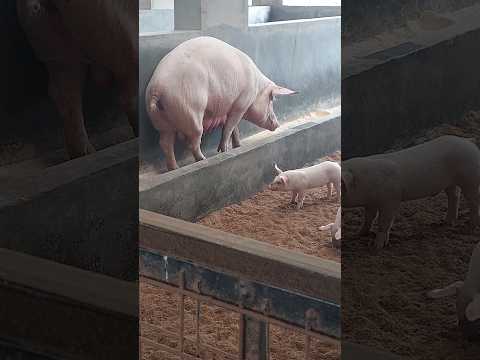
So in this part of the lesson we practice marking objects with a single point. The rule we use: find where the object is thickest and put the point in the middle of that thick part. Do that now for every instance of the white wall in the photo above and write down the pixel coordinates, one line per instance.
(312, 2)
(162, 4)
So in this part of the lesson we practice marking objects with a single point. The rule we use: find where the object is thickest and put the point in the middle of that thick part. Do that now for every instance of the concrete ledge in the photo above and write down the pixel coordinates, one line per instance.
(195, 190)
(242, 257)
(47, 310)
(81, 213)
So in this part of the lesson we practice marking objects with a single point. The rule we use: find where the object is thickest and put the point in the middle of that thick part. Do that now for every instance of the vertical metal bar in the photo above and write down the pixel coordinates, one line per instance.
(267, 339)
(197, 325)
(254, 339)
(307, 340)
(241, 337)
(182, 314)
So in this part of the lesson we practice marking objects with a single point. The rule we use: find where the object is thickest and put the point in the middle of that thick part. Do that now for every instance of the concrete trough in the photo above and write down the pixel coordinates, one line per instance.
(195, 190)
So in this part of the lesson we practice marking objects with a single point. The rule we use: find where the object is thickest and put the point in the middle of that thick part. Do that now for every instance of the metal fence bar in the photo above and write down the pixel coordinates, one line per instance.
(197, 328)
(182, 313)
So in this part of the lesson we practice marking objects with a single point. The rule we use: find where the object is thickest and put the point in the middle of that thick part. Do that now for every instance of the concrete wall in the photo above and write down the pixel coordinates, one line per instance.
(282, 13)
(144, 4)
(161, 20)
(434, 85)
(303, 55)
(258, 14)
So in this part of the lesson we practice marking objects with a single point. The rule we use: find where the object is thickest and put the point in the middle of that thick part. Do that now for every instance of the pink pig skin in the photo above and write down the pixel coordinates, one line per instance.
(202, 84)
(299, 181)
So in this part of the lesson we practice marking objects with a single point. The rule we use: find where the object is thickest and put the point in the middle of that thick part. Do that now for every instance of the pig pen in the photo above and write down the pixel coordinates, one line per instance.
(190, 194)
(424, 254)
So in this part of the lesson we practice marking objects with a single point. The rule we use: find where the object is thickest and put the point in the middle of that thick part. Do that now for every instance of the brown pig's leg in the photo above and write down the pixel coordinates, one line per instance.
(66, 87)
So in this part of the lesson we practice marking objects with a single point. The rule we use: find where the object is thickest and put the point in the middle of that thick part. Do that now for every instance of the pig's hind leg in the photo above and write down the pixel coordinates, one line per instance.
(385, 221)
(194, 144)
(66, 88)
(453, 200)
(167, 142)
(473, 197)
(370, 215)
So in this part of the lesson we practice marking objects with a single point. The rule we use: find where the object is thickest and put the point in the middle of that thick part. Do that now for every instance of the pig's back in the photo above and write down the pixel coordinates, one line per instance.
(327, 171)
(204, 64)
(434, 165)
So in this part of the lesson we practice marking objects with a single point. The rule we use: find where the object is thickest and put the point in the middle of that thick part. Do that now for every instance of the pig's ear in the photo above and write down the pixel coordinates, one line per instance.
(281, 91)
(279, 171)
(472, 312)
(283, 179)
(348, 181)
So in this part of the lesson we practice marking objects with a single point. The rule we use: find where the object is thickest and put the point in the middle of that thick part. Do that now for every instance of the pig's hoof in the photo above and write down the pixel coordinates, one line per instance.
(79, 151)
(222, 148)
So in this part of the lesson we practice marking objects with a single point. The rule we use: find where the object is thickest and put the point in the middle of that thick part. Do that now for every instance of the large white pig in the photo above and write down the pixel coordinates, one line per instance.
(202, 84)
(299, 181)
(468, 297)
(379, 183)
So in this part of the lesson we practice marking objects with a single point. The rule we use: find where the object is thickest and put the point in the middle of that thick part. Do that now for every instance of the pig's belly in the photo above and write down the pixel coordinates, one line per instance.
(210, 123)
(424, 181)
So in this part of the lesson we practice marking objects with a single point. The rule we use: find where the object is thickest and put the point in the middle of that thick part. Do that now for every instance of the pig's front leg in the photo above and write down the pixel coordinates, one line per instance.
(385, 221)
(329, 191)
(370, 215)
(230, 124)
(453, 200)
(301, 197)
(294, 197)
(167, 142)
(235, 137)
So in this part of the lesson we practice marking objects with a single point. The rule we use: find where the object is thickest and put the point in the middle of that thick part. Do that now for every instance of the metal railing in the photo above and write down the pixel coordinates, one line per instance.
(242, 316)
(258, 297)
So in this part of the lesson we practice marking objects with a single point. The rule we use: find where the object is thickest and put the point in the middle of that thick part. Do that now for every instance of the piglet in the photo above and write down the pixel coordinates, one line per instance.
(299, 181)
(335, 229)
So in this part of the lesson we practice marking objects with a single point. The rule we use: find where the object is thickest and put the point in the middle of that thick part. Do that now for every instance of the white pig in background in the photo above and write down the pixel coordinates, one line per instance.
(379, 183)
(468, 297)
(202, 84)
(335, 229)
(299, 181)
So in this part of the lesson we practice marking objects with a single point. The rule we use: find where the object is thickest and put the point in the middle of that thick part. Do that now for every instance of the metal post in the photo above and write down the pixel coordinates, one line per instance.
(255, 339)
